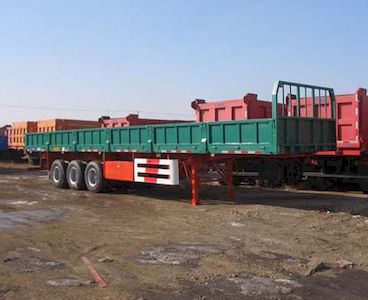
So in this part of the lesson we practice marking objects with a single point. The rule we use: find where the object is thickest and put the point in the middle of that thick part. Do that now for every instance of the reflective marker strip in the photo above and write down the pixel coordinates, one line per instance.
(176, 151)
(147, 166)
(241, 152)
(127, 150)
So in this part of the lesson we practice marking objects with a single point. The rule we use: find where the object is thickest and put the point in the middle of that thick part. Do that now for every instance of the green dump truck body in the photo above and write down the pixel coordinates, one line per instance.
(273, 136)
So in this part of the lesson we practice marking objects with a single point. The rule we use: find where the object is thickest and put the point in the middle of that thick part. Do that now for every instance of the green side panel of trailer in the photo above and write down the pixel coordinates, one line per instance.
(189, 137)
(293, 136)
(84, 140)
(280, 134)
(128, 139)
(247, 135)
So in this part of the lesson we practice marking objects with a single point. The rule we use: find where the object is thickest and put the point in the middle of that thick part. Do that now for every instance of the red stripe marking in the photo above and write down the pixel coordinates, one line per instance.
(153, 161)
(150, 179)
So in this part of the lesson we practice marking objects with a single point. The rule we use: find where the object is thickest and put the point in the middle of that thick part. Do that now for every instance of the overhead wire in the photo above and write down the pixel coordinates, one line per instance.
(25, 107)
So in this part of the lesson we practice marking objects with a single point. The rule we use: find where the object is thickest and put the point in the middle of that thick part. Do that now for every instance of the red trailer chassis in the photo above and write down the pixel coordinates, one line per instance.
(120, 167)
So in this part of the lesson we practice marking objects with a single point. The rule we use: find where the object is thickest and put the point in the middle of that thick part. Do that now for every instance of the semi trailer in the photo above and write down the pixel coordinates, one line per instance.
(166, 153)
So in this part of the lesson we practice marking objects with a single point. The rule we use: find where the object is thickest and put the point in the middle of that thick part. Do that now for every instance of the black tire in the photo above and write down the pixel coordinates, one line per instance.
(94, 177)
(270, 174)
(57, 174)
(75, 175)
(236, 181)
(293, 173)
(319, 183)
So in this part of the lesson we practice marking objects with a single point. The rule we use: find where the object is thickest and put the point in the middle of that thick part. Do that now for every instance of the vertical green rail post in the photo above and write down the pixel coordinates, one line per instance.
(298, 103)
(313, 103)
(275, 92)
(333, 104)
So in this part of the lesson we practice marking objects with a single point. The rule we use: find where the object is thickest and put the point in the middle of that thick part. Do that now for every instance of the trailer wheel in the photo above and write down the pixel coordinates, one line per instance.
(293, 173)
(270, 174)
(57, 174)
(320, 183)
(94, 177)
(75, 175)
(237, 180)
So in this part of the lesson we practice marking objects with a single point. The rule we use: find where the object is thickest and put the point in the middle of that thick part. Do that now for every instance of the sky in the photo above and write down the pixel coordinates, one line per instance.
(82, 59)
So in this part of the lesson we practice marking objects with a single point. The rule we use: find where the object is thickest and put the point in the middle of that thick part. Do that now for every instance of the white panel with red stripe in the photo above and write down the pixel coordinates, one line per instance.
(157, 171)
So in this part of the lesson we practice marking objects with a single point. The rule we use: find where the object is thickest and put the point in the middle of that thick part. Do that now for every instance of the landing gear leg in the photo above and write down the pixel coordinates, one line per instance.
(195, 182)
(229, 179)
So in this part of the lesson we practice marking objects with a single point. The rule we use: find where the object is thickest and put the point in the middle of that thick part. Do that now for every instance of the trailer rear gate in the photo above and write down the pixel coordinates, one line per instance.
(351, 126)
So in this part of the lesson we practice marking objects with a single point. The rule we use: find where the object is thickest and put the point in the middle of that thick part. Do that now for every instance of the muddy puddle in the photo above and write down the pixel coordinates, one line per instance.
(70, 282)
(30, 260)
(182, 253)
(26, 218)
(340, 284)
(286, 282)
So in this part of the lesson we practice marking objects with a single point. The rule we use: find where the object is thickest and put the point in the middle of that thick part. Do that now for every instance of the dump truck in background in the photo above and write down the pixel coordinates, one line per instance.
(15, 135)
(133, 120)
(247, 108)
(17, 131)
(64, 124)
(168, 153)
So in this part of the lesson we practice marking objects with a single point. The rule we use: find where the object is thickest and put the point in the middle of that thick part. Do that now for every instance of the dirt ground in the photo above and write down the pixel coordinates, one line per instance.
(147, 242)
